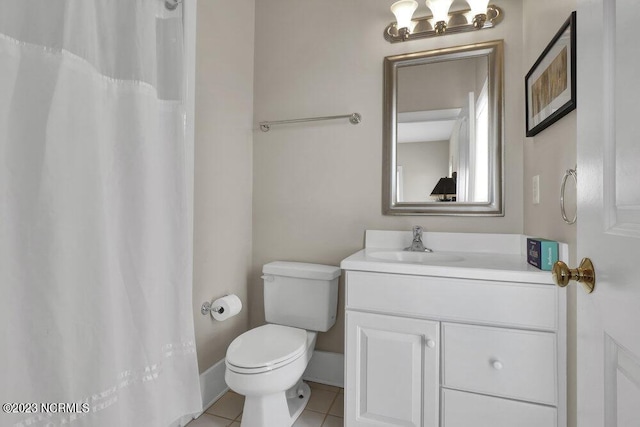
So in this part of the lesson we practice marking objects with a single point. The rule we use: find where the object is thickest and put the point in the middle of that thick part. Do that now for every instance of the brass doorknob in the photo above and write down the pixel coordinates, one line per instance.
(584, 274)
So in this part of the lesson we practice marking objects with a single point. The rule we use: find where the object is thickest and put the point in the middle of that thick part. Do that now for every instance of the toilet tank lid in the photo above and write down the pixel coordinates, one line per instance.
(302, 270)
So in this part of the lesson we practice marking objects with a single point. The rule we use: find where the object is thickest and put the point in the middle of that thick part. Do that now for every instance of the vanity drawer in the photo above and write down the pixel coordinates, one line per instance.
(501, 362)
(524, 305)
(460, 409)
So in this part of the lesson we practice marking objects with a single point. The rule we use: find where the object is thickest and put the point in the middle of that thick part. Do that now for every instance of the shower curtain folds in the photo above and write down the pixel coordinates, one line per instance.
(95, 215)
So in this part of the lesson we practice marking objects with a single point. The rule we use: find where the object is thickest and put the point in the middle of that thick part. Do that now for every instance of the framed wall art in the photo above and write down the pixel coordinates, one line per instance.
(550, 85)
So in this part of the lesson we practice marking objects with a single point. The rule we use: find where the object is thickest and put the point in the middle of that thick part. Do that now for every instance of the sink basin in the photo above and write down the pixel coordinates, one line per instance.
(415, 257)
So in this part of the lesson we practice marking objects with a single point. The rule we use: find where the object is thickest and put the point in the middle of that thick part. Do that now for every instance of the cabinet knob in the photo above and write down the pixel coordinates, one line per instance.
(431, 343)
(497, 365)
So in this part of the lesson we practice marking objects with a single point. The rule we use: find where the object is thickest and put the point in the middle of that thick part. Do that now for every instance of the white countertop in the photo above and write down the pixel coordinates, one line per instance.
(499, 257)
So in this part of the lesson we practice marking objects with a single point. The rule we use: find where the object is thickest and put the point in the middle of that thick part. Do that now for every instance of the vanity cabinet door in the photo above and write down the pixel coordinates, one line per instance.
(392, 367)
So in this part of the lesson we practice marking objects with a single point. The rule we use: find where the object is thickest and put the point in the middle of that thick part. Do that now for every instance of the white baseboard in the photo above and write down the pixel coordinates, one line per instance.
(326, 368)
(212, 384)
(183, 421)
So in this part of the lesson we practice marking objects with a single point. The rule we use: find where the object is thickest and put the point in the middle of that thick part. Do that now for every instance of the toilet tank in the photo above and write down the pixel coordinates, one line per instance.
(301, 295)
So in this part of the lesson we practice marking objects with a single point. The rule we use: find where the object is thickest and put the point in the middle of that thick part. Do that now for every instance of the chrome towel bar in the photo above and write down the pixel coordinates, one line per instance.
(354, 118)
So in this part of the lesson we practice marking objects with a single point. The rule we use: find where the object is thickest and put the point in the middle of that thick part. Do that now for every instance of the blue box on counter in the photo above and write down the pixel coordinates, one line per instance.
(542, 253)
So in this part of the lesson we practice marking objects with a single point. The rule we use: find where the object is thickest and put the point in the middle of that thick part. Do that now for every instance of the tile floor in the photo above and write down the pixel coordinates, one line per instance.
(325, 409)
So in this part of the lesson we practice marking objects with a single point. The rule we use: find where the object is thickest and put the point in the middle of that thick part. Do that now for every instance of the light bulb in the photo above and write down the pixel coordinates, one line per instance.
(478, 6)
(439, 9)
(403, 10)
(478, 12)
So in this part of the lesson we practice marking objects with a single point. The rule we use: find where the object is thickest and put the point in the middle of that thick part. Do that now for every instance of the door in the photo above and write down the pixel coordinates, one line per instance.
(392, 371)
(609, 212)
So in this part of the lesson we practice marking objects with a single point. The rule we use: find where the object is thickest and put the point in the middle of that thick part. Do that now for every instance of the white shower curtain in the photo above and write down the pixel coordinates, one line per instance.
(95, 216)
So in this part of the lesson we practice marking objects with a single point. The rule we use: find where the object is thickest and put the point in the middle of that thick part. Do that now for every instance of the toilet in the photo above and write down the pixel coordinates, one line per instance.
(265, 364)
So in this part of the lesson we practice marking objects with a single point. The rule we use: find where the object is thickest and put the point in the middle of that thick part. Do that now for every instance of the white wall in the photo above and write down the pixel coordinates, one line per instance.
(548, 155)
(223, 168)
(317, 186)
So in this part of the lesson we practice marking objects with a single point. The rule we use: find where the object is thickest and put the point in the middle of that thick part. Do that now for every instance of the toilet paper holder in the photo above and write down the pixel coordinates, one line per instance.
(207, 308)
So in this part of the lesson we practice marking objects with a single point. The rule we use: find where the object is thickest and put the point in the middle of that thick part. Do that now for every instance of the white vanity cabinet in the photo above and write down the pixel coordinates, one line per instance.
(438, 351)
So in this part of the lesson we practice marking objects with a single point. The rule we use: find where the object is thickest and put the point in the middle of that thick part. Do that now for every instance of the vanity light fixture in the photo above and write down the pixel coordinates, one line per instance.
(480, 15)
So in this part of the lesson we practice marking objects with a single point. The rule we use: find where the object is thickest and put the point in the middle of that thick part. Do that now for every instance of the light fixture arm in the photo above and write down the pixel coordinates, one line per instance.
(403, 33)
(440, 27)
(479, 20)
(459, 22)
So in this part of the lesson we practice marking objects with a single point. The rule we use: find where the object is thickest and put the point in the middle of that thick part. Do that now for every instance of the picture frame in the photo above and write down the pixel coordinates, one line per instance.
(550, 84)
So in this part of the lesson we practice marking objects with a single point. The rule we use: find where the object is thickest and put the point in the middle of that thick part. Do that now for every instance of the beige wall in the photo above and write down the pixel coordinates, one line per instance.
(553, 150)
(438, 86)
(548, 155)
(423, 164)
(317, 186)
(223, 168)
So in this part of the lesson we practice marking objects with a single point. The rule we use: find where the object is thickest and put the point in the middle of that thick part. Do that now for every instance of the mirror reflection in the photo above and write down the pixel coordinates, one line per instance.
(443, 131)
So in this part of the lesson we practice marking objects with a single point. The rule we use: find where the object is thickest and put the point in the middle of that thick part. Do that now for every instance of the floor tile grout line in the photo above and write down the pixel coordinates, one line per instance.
(216, 416)
(219, 416)
(326, 415)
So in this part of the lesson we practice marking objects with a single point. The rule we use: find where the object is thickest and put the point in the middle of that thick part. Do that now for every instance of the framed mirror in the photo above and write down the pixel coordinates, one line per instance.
(443, 132)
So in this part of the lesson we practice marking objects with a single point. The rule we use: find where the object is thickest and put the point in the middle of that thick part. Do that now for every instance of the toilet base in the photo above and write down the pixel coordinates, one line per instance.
(297, 398)
(277, 409)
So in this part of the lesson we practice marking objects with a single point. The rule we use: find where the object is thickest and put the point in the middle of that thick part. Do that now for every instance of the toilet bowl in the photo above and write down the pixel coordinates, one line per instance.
(266, 364)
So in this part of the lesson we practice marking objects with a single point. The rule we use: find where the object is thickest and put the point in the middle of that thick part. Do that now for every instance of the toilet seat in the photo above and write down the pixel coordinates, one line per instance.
(266, 348)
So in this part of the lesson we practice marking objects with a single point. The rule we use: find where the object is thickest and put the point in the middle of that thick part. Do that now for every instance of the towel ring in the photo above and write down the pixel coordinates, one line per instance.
(574, 174)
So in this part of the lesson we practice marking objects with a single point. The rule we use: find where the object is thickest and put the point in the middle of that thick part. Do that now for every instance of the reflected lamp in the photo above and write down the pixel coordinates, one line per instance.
(445, 189)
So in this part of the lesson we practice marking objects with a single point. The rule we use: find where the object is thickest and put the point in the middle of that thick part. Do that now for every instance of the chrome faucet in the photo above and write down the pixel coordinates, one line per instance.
(416, 244)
